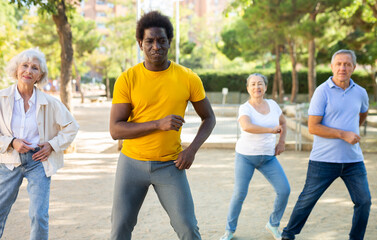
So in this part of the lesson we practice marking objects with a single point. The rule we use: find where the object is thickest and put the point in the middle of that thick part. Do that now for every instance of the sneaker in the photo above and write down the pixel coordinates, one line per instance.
(227, 236)
(274, 231)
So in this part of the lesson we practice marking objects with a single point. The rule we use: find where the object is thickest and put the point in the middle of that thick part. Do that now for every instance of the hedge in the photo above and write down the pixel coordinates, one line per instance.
(216, 81)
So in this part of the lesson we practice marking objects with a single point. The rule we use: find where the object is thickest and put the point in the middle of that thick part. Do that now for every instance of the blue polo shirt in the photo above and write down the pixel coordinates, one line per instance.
(340, 109)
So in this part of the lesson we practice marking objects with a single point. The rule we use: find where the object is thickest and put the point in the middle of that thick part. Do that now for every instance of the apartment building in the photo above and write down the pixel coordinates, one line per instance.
(203, 7)
(101, 10)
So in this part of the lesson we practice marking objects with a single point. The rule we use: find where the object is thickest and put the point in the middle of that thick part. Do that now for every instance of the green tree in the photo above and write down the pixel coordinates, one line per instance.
(120, 43)
(8, 36)
(58, 9)
(361, 17)
(313, 26)
(85, 40)
(102, 63)
(265, 26)
(39, 31)
(189, 56)
(293, 13)
(372, 4)
(370, 49)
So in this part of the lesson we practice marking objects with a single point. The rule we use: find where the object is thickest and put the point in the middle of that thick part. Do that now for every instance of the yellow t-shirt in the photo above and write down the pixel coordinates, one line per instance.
(155, 95)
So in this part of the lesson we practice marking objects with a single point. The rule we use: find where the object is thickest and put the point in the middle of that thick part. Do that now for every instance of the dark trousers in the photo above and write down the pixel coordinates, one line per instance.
(319, 177)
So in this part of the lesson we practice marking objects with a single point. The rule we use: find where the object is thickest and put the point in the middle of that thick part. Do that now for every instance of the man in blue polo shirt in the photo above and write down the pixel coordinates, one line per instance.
(337, 109)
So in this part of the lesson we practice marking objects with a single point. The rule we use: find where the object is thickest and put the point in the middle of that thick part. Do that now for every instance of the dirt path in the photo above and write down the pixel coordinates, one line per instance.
(81, 194)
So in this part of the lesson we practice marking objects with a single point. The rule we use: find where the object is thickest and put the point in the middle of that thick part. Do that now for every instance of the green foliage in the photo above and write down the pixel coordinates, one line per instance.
(231, 46)
(261, 26)
(204, 32)
(103, 64)
(187, 47)
(84, 34)
(40, 31)
(361, 34)
(46, 6)
(120, 42)
(194, 61)
(49, 6)
(194, 51)
(189, 56)
(264, 23)
(32, 31)
(9, 38)
(362, 38)
(85, 39)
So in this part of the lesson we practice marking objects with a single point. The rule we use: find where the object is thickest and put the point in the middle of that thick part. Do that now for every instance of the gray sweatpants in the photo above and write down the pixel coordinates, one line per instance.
(132, 180)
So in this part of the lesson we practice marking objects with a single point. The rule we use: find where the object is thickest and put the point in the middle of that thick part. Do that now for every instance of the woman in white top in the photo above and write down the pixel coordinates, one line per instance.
(260, 119)
(35, 128)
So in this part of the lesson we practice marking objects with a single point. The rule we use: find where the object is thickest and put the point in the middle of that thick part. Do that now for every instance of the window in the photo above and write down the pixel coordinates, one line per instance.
(101, 26)
(101, 14)
(100, 2)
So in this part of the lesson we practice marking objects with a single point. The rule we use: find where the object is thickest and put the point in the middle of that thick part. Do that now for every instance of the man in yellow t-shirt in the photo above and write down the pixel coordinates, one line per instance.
(148, 112)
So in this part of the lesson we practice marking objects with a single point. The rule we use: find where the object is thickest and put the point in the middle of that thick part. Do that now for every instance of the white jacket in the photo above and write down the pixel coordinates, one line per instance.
(55, 125)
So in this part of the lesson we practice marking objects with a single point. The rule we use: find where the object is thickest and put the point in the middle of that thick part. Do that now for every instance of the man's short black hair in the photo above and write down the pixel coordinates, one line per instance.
(154, 19)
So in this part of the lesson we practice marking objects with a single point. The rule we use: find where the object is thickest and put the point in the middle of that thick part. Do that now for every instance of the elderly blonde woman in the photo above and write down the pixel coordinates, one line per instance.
(260, 119)
(35, 128)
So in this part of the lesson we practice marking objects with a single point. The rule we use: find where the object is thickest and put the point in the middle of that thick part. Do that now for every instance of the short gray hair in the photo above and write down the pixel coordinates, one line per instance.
(25, 56)
(345, 51)
(265, 80)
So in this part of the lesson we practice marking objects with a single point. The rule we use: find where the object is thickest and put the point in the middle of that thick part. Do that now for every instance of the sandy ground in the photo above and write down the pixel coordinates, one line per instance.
(81, 194)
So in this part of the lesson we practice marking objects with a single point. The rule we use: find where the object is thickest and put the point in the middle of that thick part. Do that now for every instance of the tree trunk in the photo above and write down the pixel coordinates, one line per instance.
(292, 53)
(275, 87)
(65, 39)
(312, 79)
(78, 81)
(281, 83)
(311, 69)
(374, 83)
(279, 79)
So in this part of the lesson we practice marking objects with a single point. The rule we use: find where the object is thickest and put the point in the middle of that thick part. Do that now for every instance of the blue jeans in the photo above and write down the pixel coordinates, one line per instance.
(39, 192)
(132, 180)
(270, 167)
(319, 177)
